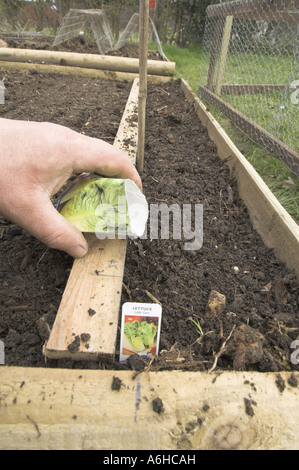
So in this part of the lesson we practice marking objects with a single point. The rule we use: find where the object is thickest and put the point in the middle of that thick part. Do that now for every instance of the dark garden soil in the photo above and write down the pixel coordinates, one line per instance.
(244, 300)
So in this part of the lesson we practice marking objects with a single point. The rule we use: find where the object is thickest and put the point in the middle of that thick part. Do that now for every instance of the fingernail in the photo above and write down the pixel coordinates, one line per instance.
(78, 251)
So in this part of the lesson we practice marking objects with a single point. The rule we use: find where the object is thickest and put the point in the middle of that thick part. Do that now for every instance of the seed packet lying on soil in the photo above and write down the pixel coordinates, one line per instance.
(109, 207)
(140, 330)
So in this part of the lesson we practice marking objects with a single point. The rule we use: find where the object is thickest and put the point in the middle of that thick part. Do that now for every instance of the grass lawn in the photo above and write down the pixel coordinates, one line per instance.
(192, 64)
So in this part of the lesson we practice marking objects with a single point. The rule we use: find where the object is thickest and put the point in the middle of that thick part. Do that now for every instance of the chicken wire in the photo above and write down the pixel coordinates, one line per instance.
(76, 20)
(252, 66)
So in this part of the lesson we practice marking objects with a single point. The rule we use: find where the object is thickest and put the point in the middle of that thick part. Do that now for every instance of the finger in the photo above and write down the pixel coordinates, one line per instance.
(95, 155)
(46, 224)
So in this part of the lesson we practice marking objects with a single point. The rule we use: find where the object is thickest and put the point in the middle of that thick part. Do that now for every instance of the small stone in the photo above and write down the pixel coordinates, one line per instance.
(43, 328)
(216, 303)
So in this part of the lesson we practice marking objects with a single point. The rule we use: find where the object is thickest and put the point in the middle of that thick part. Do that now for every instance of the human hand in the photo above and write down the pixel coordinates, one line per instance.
(36, 159)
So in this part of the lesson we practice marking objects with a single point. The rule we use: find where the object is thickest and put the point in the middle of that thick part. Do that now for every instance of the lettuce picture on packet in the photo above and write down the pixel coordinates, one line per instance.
(109, 207)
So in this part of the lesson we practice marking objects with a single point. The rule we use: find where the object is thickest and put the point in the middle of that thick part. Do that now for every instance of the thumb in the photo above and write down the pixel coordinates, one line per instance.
(51, 228)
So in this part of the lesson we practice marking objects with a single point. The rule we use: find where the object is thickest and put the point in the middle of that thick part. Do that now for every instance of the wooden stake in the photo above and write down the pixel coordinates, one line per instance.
(223, 52)
(143, 50)
(87, 319)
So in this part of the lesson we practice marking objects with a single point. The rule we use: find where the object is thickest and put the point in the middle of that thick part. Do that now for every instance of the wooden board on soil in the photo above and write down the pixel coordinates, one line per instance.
(258, 321)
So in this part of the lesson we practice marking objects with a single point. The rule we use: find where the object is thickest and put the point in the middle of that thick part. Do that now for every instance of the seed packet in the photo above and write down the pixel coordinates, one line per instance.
(140, 330)
(109, 207)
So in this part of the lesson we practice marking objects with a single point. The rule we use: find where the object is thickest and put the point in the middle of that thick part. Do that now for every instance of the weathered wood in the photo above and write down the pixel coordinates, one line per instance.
(86, 323)
(276, 227)
(257, 133)
(282, 16)
(223, 52)
(80, 71)
(75, 409)
(127, 134)
(96, 61)
(143, 50)
(274, 10)
(253, 88)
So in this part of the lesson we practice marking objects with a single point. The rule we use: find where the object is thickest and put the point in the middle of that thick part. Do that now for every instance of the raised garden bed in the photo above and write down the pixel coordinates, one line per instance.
(181, 167)
(48, 406)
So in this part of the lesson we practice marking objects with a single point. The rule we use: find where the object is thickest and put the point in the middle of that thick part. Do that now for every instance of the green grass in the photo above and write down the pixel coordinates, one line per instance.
(262, 68)
(192, 65)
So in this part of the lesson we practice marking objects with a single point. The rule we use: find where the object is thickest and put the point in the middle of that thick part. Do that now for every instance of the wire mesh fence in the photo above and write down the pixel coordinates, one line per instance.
(253, 75)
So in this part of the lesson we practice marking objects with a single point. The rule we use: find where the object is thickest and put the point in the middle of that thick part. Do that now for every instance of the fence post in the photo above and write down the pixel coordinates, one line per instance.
(214, 52)
(223, 52)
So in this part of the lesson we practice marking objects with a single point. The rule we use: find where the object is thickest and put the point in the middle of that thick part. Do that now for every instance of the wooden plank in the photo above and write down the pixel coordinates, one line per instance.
(86, 323)
(127, 134)
(276, 227)
(87, 319)
(259, 135)
(223, 52)
(253, 7)
(81, 71)
(255, 88)
(77, 59)
(282, 16)
(78, 410)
